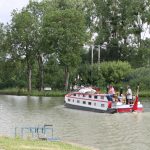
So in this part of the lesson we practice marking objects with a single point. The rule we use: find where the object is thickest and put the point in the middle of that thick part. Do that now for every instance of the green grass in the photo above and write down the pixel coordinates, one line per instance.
(15, 91)
(144, 93)
(20, 144)
(53, 93)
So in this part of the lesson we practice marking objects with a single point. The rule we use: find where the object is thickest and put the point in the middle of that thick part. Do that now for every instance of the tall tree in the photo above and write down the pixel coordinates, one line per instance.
(37, 10)
(22, 31)
(65, 32)
(119, 24)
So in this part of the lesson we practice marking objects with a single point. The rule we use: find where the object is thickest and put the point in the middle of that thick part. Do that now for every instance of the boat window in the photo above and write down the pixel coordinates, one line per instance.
(95, 96)
(73, 100)
(102, 105)
(102, 97)
(68, 100)
(90, 96)
(83, 95)
(74, 94)
(89, 103)
(94, 104)
(78, 101)
(84, 102)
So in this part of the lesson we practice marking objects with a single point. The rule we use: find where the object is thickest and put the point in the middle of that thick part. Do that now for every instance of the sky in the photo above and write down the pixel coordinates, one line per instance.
(7, 6)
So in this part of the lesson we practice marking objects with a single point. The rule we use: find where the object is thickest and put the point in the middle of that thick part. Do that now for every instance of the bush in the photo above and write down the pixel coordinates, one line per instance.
(140, 76)
(115, 72)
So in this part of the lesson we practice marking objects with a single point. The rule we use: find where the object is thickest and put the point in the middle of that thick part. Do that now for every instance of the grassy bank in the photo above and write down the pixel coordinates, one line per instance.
(53, 93)
(19, 144)
(15, 91)
(144, 93)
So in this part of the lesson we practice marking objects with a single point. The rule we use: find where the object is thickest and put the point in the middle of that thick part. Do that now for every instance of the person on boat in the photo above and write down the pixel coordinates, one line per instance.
(111, 90)
(129, 98)
(111, 93)
(107, 89)
(121, 91)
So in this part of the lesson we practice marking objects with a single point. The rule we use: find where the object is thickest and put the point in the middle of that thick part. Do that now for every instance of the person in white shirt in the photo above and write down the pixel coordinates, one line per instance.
(129, 98)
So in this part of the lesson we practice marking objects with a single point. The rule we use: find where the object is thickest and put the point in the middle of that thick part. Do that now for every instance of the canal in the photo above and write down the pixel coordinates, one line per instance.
(128, 131)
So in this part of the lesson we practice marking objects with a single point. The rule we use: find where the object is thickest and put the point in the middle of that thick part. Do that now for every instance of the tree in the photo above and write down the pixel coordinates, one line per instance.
(119, 24)
(1, 36)
(22, 33)
(115, 72)
(142, 58)
(53, 73)
(65, 33)
(140, 76)
(37, 10)
(3, 41)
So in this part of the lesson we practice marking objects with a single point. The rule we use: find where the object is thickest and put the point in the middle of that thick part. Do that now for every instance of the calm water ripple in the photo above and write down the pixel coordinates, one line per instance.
(128, 131)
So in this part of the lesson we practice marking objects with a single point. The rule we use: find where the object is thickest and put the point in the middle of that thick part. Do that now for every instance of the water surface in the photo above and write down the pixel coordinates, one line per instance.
(127, 131)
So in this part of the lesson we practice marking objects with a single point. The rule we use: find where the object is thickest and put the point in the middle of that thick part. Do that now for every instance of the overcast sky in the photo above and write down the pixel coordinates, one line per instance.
(7, 6)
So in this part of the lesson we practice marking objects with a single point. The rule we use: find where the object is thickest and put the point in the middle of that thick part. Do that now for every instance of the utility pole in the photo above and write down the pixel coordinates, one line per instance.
(92, 64)
(92, 55)
(99, 49)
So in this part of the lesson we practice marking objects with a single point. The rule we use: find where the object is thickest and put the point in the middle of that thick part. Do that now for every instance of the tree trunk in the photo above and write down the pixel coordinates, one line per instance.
(41, 72)
(66, 78)
(29, 77)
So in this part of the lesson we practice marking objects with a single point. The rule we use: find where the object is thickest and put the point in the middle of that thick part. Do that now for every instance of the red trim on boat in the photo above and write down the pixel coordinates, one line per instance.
(87, 99)
(135, 105)
(122, 110)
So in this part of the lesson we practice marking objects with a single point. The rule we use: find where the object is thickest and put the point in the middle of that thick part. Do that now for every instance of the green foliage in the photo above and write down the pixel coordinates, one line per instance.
(115, 72)
(2, 34)
(65, 33)
(54, 74)
(143, 54)
(12, 74)
(140, 76)
(117, 22)
(85, 74)
(104, 73)
(97, 77)
(47, 38)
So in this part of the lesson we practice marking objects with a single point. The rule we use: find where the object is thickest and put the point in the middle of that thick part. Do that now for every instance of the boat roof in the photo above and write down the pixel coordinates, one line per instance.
(86, 90)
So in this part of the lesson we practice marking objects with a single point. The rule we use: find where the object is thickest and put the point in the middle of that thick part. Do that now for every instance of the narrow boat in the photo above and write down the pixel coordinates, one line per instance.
(88, 99)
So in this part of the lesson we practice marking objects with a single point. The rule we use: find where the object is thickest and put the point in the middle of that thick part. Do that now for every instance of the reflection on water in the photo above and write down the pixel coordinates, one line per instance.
(128, 131)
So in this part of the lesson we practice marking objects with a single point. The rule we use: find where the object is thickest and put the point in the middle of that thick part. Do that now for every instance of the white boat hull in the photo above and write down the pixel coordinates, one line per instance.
(99, 103)
(109, 110)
